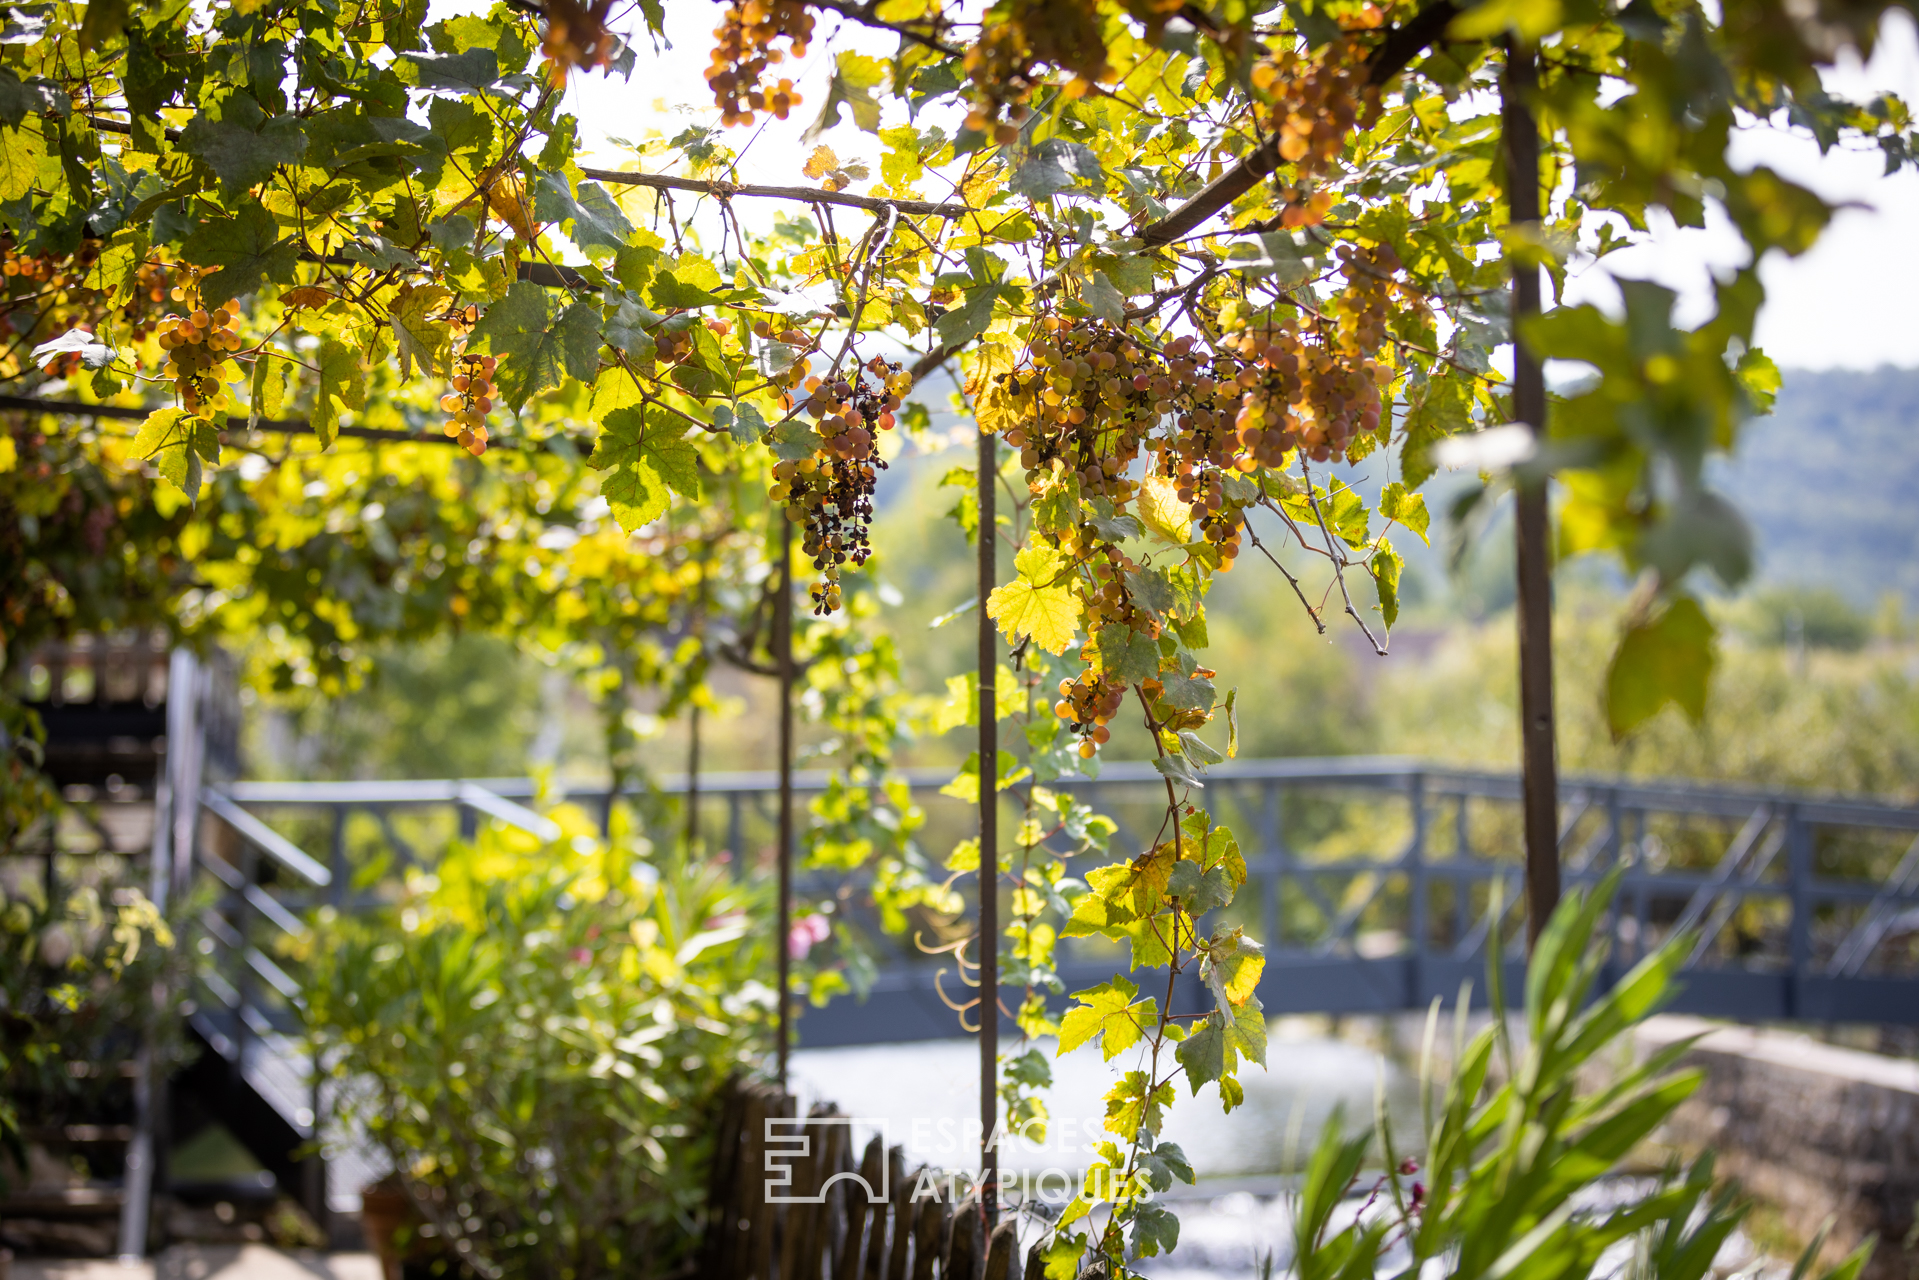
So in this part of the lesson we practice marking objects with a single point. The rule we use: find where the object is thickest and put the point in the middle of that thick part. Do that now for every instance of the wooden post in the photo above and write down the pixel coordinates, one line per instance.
(1534, 609)
(783, 655)
(988, 836)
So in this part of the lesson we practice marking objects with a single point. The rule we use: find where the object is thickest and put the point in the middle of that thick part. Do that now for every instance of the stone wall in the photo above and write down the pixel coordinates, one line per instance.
(1810, 1130)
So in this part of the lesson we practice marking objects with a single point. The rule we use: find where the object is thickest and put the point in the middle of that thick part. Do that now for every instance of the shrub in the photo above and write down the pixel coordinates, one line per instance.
(535, 1032)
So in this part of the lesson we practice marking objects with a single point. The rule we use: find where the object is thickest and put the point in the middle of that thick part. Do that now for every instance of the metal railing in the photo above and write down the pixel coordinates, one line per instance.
(1377, 884)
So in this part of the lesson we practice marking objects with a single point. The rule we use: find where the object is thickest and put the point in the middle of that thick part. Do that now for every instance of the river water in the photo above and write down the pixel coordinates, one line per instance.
(925, 1098)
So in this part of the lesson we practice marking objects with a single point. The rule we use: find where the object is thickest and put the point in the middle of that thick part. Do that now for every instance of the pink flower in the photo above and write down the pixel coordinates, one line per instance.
(581, 955)
(804, 933)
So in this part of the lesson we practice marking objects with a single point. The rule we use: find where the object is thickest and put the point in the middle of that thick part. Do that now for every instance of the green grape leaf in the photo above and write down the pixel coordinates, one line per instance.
(177, 443)
(1126, 655)
(1668, 658)
(248, 250)
(1179, 769)
(1185, 691)
(793, 440)
(1385, 567)
(968, 321)
(590, 218)
(342, 386)
(1203, 1052)
(1103, 300)
(855, 76)
(461, 74)
(22, 150)
(534, 349)
(644, 455)
(1396, 502)
(1155, 1229)
(242, 144)
(1248, 1032)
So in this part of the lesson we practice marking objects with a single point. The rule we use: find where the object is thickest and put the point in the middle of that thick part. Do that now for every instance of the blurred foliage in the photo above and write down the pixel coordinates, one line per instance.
(537, 1034)
(1518, 1145)
(88, 978)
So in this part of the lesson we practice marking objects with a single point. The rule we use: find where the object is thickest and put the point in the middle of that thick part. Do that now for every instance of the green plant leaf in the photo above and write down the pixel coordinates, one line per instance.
(1665, 659)
(242, 144)
(246, 248)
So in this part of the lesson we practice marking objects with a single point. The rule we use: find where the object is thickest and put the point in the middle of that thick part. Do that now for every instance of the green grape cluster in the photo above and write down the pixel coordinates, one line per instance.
(830, 494)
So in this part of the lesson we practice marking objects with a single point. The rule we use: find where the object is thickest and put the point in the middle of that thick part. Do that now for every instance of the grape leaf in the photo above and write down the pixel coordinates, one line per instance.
(1668, 658)
(1108, 1013)
(21, 152)
(418, 339)
(534, 349)
(1155, 1229)
(242, 144)
(93, 353)
(645, 454)
(1203, 1051)
(248, 250)
(1127, 655)
(1033, 606)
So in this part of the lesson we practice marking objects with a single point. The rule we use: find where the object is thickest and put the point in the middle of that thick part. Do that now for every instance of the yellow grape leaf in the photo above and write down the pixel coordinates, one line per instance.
(507, 199)
(1234, 964)
(418, 338)
(1033, 605)
(306, 297)
(1163, 512)
(1108, 1012)
(822, 162)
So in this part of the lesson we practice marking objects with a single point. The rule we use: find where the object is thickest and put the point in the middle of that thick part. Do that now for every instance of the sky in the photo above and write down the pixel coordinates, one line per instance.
(1851, 302)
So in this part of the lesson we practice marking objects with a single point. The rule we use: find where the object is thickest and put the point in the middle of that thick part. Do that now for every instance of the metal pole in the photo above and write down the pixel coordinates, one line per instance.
(783, 657)
(1540, 783)
(988, 836)
(693, 718)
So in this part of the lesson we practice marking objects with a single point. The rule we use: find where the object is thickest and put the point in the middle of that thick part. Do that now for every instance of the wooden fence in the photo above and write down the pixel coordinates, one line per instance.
(754, 1235)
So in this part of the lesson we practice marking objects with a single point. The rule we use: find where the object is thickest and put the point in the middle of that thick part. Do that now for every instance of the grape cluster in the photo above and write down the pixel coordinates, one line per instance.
(576, 36)
(799, 340)
(830, 494)
(746, 36)
(1086, 703)
(1316, 99)
(1089, 399)
(197, 345)
(1108, 599)
(470, 401)
(1024, 35)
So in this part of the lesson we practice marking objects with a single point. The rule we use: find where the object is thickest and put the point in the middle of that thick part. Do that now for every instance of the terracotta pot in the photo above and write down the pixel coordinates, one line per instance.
(384, 1212)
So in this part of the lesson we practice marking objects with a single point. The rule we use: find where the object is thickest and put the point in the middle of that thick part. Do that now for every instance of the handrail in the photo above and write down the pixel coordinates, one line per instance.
(266, 839)
(1718, 799)
(474, 796)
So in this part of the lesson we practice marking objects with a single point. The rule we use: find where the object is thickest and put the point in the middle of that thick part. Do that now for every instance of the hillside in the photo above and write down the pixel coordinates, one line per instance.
(1830, 483)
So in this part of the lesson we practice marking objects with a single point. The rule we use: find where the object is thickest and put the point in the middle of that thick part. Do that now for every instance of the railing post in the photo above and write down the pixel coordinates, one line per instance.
(1799, 875)
(735, 833)
(336, 857)
(1276, 857)
(242, 971)
(1416, 886)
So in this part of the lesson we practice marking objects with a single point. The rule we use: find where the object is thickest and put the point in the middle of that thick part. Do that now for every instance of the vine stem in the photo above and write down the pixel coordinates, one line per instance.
(988, 827)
